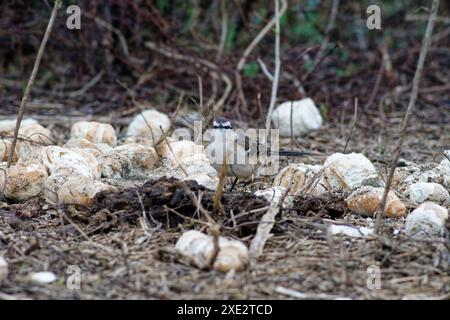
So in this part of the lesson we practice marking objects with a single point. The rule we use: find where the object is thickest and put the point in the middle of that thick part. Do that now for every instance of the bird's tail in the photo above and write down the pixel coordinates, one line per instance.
(292, 153)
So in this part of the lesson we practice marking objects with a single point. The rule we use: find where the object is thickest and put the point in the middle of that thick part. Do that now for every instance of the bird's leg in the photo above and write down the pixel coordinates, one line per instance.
(234, 183)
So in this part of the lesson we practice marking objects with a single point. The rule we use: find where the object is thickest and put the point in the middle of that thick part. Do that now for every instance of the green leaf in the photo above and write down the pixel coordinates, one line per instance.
(161, 4)
(251, 69)
(231, 36)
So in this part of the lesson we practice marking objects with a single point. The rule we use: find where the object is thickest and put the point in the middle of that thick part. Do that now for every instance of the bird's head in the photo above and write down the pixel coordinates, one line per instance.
(222, 123)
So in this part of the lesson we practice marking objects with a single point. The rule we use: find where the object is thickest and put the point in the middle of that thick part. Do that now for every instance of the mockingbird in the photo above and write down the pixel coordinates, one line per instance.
(241, 152)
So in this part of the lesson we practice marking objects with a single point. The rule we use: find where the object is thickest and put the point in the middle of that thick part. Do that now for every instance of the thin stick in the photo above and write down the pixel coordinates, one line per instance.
(423, 17)
(174, 118)
(276, 72)
(355, 115)
(260, 36)
(143, 219)
(265, 69)
(27, 93)
(200, 93)
(224, 29)
(377, 83)
(87, 86)
(261, 112)
(291, 124)
(313, 296)
(75, 226)
(264, 228)
(171, 151)
(412, 101)
(330, 27)
(198, 204)
(107, 25)
(141, 109)
(212, 68)
(215, 232)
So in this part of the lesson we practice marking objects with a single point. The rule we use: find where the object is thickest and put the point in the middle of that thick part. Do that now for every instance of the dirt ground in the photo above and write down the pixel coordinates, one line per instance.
(121, 256)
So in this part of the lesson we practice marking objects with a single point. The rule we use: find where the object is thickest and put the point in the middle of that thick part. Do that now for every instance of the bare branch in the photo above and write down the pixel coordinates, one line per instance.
(37, 62)
(276, 73)
(260, 36)
(355, 115)
(412, 101)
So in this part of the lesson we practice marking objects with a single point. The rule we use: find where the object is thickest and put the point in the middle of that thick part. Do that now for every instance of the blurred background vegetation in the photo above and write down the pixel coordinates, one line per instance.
(82, 69)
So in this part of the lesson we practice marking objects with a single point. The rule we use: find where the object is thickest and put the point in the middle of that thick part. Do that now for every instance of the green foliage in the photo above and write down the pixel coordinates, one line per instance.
(307, 32)
(162, 5)
(251, 69)
(231, 36)
(308, 65)
(258, 19)
(323, 110)
(192, 13)
(301, 28)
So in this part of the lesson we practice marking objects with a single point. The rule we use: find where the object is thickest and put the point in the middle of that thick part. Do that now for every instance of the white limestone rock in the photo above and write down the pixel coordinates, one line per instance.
(301, 178)
(128, 161)
(305, 117)
(182, 151)
(275, 194)
(200, 171)
(96, 149)
(335, 229)
(10, 125)
(197, 249)
(95, 132)
(42, 278)
(80, 161)
(33, 137)
(347, 171)
(80, 191)
(427, 221)
(439, 174)
(420, 192)
(23, 180)
(5, 149)
(147, 125)
(3, 269)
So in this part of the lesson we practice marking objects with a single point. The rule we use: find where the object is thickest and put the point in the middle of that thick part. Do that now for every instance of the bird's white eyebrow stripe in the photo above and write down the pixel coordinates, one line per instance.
(222, 124)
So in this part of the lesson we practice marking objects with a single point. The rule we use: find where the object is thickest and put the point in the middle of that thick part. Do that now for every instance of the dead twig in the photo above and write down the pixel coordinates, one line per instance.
(424, 17)
(265, 69)
(174, 117)
(141, 109)
(313, 296)
(412, 101)
(108, 26)
(330, 27)
(264, 227)
(173, 154)
(209, 66)
(215, 232)
(376, 86)
(276, 72)
(252, 45)
(224, 29)
(355, 116)
(260, 36)
(30, 83)
(293, 139)
(87, 86)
